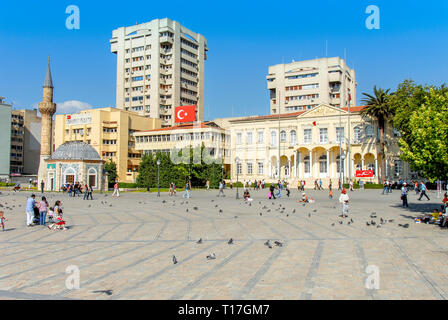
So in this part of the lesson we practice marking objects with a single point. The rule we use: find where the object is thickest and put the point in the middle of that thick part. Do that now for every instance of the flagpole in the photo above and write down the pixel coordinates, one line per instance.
(349, 141)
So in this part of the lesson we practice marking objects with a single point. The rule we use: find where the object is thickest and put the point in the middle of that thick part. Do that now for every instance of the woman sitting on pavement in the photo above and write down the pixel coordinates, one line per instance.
(246, 195)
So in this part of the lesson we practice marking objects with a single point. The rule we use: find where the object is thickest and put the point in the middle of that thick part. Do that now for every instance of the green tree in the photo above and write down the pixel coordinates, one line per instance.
(425, 142)
(111, 168)
(378, 107)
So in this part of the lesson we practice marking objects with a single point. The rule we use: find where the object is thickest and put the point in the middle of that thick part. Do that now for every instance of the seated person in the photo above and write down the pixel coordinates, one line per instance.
(304, 198)
(246, 195)
(444, 203)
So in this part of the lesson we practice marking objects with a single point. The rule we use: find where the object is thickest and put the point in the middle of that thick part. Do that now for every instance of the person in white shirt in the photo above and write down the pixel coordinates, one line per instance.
(344, 199)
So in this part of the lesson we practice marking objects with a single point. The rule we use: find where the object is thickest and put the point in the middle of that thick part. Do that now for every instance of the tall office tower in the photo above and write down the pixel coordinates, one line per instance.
(160, 65)
(305, 84)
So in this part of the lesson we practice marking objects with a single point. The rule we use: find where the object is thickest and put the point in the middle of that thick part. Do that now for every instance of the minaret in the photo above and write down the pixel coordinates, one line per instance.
(47, 109)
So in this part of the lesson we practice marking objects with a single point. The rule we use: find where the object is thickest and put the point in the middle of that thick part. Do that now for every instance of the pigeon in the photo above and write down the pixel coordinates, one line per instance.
(220, 210)
(309, 215)
(212, 200)
(195, 208)
(287, 215)
(108, 292)
(216, 206)
(348, 223)
(268, 210)
(268, 244)
(250, 204)
(391, 220)
(174, 259)
(340, 222)
(367, 223)
(261, 214)
(314, 210)
(164, 201)
(278, 243)
(199, 241)
(211, 256)
(110, 205)
(186, 210)
(230, 241)
(404, 225)
(379, 226)
(372, 222)
(235, 217)
(332, 224)
(351, 220)
(381, 220)
(293, 210)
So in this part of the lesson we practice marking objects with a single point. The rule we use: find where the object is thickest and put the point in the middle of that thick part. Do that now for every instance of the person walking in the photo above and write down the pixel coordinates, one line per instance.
(271, 190)
(86, 192)
(330, 186)
(187, 190)
(30, 205)
(288, 191)
(339, 184)
(43, 208)
(320, 184)
(344, 199)
(351, 185)
(116, 192)
(42, 186)
(207, 185)
(90, 193)
(417, 189)
(404, 195)
(231, 184)
(221, 189)
(423, 191)
(384, 187)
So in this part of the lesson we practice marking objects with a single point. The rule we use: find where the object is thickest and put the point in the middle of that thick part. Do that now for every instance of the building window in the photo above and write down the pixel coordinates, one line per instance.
(323, 135)
(369, 131)
(306, 162)
(249, 168)
(340, 134)
(323, 164)
(398, 165)
(249, 138)
(260, 136)
(307, 136)
(239, 168)
(239, 138)
(283, 136)
(293, 137)
(273, 138)
(358, 134)
(260, 168)
(371, 166)
(338, 164)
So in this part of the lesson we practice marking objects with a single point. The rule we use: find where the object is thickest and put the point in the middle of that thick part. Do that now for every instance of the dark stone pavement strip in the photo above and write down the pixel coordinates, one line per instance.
(28, 296)
(430, 284)
(312, 273)
(133, 264)
(259, 274)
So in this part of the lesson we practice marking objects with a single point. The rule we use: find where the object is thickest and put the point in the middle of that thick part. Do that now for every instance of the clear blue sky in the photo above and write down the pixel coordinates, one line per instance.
(244, 38)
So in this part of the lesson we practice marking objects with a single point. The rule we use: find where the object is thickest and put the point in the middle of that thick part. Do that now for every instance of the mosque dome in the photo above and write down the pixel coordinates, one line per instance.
(75, 150)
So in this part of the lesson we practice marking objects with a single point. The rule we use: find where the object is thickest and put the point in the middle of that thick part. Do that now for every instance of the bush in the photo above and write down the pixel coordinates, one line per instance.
(127, 185)
(4, 184)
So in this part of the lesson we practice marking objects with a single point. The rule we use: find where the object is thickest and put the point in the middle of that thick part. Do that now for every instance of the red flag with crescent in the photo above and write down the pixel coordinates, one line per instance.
(184, 114)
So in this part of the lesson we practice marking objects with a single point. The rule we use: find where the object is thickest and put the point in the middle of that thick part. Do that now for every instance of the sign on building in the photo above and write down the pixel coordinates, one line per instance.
(77, 119)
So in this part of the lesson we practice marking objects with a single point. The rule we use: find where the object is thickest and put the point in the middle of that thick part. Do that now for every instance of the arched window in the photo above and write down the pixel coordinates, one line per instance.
(306, 162)
(293, 137)
(283, 136)
(323, 164)
(273, 138)
(369, 131)
(358, 134)
(92, 176)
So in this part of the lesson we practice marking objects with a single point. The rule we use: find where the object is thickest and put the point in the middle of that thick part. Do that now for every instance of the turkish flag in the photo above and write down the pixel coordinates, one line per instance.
(184, 114)
(69, 117)
(314, 123)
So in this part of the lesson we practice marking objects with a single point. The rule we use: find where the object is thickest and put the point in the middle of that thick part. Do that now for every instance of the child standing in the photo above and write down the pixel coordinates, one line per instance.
(2, 220)
(330, 194)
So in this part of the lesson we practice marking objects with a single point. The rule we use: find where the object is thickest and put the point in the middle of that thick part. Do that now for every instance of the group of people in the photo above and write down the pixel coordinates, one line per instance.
(275, 189)
(77, 188)
(37, 212)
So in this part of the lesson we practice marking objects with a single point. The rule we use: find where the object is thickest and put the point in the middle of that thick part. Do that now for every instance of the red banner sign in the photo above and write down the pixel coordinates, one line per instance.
(364, 174)
(184, 114)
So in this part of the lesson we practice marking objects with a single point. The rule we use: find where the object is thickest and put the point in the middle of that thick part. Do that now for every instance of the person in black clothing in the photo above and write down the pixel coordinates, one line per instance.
(271, 189)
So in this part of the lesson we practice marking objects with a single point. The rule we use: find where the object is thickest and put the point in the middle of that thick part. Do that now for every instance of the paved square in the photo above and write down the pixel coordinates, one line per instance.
(126, 246)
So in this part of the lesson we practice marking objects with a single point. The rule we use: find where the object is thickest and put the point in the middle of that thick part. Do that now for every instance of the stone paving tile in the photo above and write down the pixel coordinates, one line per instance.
(128, 248)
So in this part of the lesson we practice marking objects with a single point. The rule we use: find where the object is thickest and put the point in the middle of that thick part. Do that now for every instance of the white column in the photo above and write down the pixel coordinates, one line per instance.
(311, 163)
(299, 155)
(269, 169)
(362, 163)
(289, 171)
(376, 167)
(328, 163)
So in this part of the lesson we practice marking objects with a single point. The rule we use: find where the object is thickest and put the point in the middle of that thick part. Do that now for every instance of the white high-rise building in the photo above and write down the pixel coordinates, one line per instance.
(160, 65)
(306, 84)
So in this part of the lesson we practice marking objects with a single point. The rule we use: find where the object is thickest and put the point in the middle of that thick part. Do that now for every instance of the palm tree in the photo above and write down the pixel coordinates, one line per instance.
(378, 106)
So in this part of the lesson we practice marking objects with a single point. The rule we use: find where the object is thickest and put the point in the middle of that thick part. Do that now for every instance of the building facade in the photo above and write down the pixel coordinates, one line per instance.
(160, 65)
(303, 85)
(25, 142)
(110, 132)
(308, 145)
(5, 138)
(208, 134)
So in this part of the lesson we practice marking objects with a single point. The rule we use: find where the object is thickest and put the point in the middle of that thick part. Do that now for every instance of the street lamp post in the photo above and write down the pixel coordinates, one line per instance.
(341, 168)
(237, 190)
(158, 178)
(222, 172)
